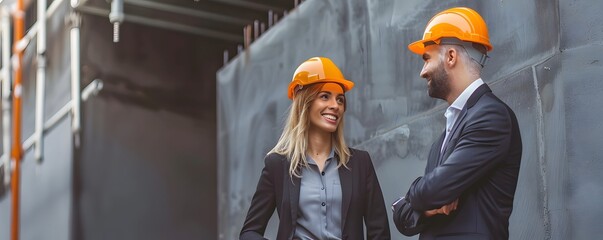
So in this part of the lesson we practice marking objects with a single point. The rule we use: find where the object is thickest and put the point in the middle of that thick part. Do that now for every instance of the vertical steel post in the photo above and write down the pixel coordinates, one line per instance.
(6, 81)
(75, 76)
(17, 152)
(40, 80)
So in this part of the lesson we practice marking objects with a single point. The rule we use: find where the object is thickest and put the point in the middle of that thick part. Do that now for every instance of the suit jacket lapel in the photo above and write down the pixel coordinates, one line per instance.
(448, 148)
(436, 153)
(476, 95)
(345, 177)
(470, 103)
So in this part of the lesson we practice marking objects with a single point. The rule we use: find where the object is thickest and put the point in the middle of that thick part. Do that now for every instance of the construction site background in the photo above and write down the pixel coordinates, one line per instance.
(169, 137)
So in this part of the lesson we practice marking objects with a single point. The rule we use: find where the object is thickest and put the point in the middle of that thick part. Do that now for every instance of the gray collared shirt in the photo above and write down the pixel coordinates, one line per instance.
(319, 214)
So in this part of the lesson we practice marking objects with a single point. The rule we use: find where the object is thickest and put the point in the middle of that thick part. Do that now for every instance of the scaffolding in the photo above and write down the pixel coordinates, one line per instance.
(12, 24)
(11, 163)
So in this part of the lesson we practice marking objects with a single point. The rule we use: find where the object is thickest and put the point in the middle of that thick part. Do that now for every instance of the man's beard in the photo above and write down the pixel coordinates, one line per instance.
(439, 86)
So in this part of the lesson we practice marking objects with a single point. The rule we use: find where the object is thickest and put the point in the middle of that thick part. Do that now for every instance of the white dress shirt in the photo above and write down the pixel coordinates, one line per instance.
(453, 111)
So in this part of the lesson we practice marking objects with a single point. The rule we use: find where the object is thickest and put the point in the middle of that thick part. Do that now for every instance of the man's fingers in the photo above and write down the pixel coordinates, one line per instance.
(446, 209)
(430, 213)
(450, 207)
(455, 204)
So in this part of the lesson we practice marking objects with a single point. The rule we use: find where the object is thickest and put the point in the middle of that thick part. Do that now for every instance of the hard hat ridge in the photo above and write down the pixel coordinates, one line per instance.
(460, 23)
(317, 70)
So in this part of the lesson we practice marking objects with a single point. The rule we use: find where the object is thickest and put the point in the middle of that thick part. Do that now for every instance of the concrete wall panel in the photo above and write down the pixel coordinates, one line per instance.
(582, 73)
(534, 68)
(529, 192)
(581, 25)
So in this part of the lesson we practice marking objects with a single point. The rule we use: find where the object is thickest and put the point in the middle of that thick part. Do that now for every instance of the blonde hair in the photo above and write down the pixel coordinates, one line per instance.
(293, 142)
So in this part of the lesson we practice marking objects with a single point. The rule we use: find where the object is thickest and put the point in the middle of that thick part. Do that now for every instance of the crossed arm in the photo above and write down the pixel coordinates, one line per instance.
(481, 146)
(410, 222)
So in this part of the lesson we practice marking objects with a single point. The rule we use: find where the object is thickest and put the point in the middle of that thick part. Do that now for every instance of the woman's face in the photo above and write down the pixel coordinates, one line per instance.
(326, 111)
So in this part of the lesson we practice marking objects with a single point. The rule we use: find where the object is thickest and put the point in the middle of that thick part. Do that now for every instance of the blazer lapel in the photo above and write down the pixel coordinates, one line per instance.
(470, 103)
(476, 95)
(345, 177)
(436, 152)
(449, 148)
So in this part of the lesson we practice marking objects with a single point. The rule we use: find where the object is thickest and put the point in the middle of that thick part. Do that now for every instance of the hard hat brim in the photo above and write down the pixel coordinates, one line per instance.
(346, 84)
(418, 47)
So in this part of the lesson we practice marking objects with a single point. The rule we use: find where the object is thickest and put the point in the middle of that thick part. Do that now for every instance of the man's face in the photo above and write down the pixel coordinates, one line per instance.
(435, 73)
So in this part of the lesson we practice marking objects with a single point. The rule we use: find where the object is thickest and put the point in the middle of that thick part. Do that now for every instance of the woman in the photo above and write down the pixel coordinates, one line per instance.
(321, 188)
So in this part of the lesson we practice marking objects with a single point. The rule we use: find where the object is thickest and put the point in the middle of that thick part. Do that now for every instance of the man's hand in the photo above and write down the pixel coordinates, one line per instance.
(446, 209)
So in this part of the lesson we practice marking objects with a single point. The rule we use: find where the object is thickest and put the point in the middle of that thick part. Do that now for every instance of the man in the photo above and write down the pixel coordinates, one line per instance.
(471, 174)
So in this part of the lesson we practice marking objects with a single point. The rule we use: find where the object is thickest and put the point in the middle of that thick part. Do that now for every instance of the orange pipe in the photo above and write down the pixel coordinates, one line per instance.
(17, 151)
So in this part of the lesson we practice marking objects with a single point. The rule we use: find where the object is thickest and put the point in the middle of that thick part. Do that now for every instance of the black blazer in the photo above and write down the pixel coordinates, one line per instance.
(361, 193)
(479, 166)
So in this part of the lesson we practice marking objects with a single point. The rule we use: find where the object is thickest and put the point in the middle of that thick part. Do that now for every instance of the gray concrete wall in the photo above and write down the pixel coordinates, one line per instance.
(546, 65)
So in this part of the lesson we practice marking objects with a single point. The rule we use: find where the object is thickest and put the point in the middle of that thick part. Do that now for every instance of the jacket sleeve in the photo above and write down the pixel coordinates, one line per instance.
(408, 221)
(375, 215)
(262, 206)
(481, 146)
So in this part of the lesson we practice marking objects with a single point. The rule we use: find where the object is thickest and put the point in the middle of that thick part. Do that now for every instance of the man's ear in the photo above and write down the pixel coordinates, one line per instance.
(451, 57)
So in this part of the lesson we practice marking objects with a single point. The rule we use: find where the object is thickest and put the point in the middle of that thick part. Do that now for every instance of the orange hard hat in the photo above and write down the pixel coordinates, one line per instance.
(462, 23)
(317, 70)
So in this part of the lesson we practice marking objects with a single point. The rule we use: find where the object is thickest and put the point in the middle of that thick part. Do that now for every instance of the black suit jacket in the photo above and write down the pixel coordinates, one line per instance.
(479, 166)
(361, 196)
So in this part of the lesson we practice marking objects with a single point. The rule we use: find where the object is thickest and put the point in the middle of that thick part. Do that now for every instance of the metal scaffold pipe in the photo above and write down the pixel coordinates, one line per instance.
(17, 152)
(6, 81)
(74, 34)
(116, 17)
(40, 80)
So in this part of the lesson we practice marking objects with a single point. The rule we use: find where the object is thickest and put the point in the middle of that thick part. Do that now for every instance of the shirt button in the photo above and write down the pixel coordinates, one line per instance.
(322, 188)
(323, 173)
(323, 204)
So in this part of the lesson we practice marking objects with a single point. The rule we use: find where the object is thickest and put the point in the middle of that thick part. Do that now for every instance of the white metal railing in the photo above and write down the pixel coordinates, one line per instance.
(72, 107)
